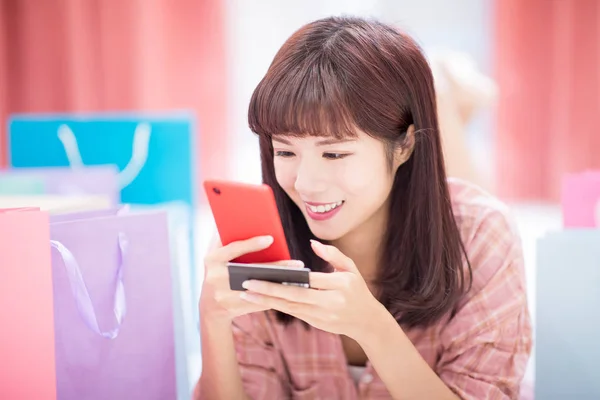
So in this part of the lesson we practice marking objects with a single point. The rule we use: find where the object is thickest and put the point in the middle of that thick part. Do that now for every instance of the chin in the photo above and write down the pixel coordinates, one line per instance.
(325, 234)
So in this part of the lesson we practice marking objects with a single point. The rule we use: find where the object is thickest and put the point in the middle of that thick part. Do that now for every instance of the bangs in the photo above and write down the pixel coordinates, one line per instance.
(308, 99)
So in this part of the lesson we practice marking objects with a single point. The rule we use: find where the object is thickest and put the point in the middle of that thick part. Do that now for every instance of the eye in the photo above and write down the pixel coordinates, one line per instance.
(284, 154)
(335, 156)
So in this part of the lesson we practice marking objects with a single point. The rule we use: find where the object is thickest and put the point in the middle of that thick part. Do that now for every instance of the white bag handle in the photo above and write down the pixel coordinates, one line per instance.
(139, 156)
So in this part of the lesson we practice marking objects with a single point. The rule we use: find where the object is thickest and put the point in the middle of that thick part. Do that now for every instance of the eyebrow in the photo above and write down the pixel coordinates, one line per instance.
(323, 142)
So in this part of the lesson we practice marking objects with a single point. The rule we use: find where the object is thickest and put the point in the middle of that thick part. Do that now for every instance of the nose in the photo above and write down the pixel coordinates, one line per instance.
(310, 179)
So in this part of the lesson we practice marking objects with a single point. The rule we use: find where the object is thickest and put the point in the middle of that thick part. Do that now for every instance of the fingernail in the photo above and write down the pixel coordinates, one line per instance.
(246, 285)
(319, 245)
(266, 240)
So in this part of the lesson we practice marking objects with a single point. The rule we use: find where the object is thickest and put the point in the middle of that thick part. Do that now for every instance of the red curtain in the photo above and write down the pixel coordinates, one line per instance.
(95, 55)
(547, 59)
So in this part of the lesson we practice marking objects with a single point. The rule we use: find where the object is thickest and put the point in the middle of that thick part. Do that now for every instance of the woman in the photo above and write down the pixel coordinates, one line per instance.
(417, 289)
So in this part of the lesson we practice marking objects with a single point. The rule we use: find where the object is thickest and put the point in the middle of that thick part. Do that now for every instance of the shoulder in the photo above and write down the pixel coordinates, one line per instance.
(478, 212)
(486, 224)
(492, 321)
(489, 233)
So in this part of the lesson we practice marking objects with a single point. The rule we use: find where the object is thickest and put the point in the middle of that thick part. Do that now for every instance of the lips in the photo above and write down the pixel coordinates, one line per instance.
(323, 211)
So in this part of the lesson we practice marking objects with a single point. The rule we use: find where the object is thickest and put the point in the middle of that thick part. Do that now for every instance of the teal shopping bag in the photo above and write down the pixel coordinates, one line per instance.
(28, 185)
(154, 152)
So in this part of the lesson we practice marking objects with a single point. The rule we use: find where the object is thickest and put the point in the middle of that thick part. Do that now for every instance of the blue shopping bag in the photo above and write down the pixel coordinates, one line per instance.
(568, 315)
(154, 152)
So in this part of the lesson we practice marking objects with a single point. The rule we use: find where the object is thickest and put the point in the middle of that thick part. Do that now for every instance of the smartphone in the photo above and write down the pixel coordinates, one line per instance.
(242, 211)
(238, 273)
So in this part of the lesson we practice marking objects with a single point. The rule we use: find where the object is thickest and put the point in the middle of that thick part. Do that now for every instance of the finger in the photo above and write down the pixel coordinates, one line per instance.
(215, 242)
(285, 306)
(286, 263)
(239, 248)
(290, 293)
(235, 306)
(333, 256)
(241, 307)
(328, 280)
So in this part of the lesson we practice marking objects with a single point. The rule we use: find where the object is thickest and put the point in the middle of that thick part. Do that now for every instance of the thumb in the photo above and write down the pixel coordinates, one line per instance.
(333, 256)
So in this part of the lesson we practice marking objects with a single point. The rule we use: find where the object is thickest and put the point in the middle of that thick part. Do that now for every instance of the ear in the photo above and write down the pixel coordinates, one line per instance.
(405, 150)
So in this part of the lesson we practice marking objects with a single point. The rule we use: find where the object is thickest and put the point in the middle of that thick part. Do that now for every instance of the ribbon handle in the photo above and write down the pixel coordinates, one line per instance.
(82, 296)
(139, 156)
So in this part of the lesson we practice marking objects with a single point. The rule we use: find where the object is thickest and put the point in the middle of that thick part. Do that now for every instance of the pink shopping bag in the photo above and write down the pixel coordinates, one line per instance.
(581, 200)
(27, 355)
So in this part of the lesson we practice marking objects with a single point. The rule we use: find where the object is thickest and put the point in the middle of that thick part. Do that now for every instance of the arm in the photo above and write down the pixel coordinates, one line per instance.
(486, 344)
(398, 363)
(220, 377)
(239, 361)
(220, 373)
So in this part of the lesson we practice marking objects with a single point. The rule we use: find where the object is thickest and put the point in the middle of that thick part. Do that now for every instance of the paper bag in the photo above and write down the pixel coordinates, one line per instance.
(581, 200)
(56, 204)
(20, 185)
(113, 307)
(152, 151)
(65, 181)
(568, 315)
(26, 307)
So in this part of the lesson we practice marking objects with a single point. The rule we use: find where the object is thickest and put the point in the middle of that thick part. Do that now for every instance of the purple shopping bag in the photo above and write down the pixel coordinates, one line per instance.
(101, 213)
(113, 308)
(93, 180)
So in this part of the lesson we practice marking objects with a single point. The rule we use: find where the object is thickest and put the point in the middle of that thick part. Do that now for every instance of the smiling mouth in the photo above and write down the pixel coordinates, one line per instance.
(323, 211)
(324, 208)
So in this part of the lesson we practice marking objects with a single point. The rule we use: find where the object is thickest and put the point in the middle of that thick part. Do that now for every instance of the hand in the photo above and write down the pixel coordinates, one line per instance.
(217, 300)
(339, 302)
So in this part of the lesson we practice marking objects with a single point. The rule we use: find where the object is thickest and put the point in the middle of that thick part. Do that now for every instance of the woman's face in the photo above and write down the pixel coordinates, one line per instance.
(339, 185)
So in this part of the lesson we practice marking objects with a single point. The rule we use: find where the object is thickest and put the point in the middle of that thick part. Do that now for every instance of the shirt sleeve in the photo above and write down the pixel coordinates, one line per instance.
(261, 365)
(487, 343)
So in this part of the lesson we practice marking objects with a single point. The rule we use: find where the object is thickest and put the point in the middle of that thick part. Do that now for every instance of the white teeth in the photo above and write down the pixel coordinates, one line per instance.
(324, 207)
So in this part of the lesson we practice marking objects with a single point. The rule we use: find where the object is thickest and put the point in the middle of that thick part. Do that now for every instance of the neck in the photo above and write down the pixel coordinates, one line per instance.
(364, 245)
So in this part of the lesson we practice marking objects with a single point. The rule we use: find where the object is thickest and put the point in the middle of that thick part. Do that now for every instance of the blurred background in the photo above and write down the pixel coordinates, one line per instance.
(518, 85)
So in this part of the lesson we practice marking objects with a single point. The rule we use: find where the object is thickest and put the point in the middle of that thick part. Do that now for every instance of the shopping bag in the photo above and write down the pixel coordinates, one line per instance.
(65, 181)
(567, 315)
(153, 152)
(581, 200)
(26, 314)
(185, 302)
(113, 306)
(55, 204)
(11, 185)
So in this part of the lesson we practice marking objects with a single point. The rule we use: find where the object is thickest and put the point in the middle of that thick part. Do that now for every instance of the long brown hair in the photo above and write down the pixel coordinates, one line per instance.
(341, 73)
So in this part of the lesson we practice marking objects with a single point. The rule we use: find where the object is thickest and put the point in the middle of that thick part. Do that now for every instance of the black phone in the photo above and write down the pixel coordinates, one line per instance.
(294, 276)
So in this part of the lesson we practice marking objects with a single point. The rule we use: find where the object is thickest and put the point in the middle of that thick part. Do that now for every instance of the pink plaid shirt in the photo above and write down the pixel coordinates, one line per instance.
(480, 353)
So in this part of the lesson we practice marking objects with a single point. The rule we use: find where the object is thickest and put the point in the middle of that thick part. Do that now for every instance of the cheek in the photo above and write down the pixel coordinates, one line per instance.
(285, 173)
(362, 181)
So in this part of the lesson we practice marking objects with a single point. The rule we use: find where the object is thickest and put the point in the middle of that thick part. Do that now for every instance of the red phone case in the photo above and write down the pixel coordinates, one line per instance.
(242, 211)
